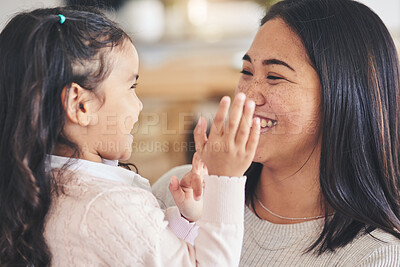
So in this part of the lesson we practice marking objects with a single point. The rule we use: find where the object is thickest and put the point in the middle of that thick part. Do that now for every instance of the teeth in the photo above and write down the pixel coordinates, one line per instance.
(263, 123)
(267, 123)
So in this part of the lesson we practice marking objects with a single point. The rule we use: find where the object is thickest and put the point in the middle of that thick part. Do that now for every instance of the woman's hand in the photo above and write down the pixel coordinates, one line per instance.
(188, 193)
(230, 147)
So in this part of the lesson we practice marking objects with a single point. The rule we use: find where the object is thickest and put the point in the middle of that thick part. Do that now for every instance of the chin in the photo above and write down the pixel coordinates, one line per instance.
(125, 156)
(260, 157)
(117, 156)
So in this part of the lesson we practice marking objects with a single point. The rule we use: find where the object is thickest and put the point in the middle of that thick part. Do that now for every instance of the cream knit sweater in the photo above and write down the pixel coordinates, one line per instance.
(107, 216)
(268, 244)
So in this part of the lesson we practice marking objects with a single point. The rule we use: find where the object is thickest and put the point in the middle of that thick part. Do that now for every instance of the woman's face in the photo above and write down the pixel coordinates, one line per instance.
(278, 76)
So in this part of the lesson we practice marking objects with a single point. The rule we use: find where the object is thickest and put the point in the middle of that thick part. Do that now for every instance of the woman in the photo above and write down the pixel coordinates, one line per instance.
(324, 186)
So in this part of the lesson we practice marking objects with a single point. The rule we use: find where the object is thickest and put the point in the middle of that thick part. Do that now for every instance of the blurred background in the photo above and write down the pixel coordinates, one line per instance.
(190, 56)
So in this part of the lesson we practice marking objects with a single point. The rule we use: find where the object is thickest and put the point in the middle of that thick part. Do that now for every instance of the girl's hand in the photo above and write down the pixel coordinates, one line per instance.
(230, 147)
(188, 193)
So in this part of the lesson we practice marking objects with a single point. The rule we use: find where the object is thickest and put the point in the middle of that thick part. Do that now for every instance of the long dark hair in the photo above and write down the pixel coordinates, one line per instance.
(39, 57)
(356, 61)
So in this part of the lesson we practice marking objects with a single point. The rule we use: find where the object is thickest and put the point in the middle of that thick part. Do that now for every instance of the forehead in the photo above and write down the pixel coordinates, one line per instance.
(275, 39)
(125, 58)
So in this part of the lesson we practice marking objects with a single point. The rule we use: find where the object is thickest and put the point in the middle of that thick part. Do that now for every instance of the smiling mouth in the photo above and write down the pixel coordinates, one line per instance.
(267, 123)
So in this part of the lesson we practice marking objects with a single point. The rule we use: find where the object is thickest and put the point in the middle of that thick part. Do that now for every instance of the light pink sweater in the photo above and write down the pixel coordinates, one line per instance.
(107, 216)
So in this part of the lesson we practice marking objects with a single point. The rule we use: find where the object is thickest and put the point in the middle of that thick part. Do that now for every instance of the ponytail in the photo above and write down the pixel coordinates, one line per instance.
(38, 55)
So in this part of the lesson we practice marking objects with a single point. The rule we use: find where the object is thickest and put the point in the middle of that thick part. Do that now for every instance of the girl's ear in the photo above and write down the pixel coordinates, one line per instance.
(79, 104)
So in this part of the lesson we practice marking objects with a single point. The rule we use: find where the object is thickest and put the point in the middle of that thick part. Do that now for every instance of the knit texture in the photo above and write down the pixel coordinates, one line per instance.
(107, 222)
(268, 244)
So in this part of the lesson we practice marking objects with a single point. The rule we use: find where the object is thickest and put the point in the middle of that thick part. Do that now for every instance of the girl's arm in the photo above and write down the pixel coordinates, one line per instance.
(220, 232)
(125, 227)
(132, 227)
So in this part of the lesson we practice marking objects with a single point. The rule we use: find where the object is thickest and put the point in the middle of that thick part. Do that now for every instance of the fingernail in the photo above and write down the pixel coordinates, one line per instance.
(251, 104)
(199, 122)
(257, 123)
(174, 187)
(225, 98)
(241, 96)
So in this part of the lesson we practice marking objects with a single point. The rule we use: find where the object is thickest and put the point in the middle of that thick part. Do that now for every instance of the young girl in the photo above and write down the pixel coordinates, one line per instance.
(68, 105)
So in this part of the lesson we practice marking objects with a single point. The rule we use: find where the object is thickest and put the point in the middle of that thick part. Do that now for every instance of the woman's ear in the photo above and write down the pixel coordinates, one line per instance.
(79, 104)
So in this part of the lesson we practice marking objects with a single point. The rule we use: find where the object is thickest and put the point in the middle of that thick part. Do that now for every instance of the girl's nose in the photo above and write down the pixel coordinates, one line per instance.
(140, 105)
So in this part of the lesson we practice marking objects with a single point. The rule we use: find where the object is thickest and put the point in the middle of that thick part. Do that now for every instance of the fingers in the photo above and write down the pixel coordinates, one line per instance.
(217, 128)
(254, 136)
(197, 179)
(197, 186)
(200, 135)
(196, 163)
(236, 114)
(176, 191)
(239, 123)
(243, 131)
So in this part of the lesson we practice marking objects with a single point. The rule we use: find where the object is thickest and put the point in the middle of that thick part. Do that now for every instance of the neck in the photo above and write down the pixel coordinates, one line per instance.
(290, 192)
(65, 151)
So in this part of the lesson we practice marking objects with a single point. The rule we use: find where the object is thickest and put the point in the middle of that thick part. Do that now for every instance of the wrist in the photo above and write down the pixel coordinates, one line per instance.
(187, 219)
(227, 173)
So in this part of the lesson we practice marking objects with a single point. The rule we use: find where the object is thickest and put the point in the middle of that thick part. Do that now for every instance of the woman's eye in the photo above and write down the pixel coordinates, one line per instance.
(271, 77)
(245, 72)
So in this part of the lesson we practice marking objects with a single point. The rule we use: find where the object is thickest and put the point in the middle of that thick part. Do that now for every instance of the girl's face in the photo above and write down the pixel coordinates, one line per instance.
(120, 107)
(278, 76)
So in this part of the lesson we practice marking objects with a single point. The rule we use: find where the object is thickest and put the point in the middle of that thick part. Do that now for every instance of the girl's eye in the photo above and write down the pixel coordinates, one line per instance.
(245, 72)
(271, 77)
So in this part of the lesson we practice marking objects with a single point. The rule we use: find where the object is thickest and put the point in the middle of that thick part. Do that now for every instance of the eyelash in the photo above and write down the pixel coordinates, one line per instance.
(271, 77)
(274, 77)
(245, 72)
(133, 86)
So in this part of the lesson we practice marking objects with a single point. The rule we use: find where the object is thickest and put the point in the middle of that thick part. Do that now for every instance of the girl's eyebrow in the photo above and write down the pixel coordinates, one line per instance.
(272, 61)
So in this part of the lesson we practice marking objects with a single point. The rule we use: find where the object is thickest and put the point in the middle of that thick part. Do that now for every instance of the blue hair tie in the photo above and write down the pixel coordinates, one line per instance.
(62, 18)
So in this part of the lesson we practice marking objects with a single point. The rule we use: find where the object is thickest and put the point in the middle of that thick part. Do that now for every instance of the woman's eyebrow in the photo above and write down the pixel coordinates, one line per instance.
(277, 62)
(272, 61)
(247, 58)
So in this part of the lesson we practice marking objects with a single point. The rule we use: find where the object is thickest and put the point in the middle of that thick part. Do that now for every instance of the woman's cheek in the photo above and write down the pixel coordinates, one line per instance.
(240, 87)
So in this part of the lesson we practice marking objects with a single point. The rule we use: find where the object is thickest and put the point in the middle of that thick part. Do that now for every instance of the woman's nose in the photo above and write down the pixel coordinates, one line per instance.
(255, 92)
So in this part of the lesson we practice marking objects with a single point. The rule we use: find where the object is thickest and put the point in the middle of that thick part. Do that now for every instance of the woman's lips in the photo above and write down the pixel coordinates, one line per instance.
(266, 123)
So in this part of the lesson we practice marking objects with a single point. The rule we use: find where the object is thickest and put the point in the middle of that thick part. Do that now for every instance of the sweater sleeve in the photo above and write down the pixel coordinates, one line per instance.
(386, 256)
(126, 227)
(181, 227)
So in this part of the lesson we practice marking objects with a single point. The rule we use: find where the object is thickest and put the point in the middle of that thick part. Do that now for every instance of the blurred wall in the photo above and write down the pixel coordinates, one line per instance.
(9, 7)
(388, 11)
(190, 55)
